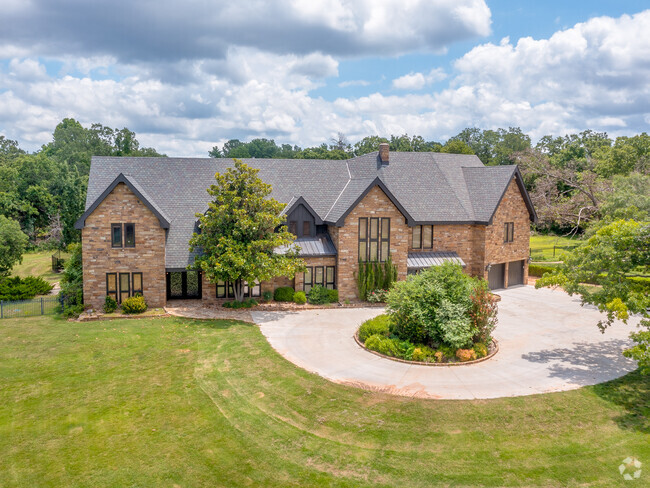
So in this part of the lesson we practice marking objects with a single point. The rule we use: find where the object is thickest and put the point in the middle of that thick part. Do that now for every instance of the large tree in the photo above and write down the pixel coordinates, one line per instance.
(617, 260)
(12, 244)
(241, 230)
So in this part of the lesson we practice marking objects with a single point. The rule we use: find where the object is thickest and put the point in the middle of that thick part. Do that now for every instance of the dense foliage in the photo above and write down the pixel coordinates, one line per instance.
(299, 298)
(110, 305)
(374, 276)
(16, 288)
(134, 305)
(610, 259)
(283, 294)
(71, 294)
(439, 307)
(12, 244)
(240, 231)
(236, 304)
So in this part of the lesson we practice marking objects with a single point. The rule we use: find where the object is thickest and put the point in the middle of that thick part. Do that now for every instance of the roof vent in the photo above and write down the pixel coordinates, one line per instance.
(383, 153)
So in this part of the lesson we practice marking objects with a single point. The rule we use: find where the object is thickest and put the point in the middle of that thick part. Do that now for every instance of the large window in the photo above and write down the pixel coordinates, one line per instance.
(423, 237)
(374, 238)
(121, 286)
(509, 232)
(226, 290)
(319, 275)
(122, 235)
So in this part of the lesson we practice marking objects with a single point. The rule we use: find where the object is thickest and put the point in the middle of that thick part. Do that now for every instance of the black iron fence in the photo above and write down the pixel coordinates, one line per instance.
(28, 308)
(57, 261)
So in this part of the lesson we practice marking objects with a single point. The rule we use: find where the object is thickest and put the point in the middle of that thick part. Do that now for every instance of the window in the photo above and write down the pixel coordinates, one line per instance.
(116, 235)
(293, 227)
(423, 237)
(308, 279)
(136, 283)
(509, 232)
(318, 276)
(330, 277)
(221, 289)
(226, 290)
(111, 285)
(129, 235)
(374, 239)
(306, 228)
(125, 286)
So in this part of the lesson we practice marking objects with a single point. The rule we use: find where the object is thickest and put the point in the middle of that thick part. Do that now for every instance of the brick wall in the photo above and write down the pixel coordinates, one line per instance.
(374, 204)
(512, 209)
(147, 257)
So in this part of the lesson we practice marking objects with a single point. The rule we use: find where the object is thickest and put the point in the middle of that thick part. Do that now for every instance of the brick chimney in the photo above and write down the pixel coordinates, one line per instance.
(383, 153)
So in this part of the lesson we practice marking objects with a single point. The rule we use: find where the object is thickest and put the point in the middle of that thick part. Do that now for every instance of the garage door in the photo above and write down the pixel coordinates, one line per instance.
(515, 273)
(496, 276)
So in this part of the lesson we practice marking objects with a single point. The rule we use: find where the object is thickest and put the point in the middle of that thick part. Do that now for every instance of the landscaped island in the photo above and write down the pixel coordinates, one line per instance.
(441, 315)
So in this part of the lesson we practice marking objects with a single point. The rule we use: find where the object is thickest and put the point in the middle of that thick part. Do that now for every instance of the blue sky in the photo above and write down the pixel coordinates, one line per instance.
(187, 77)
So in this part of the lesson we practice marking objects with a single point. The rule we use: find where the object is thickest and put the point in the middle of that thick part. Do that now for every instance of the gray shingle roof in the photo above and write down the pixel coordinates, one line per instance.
(422, 260)
(429, 187)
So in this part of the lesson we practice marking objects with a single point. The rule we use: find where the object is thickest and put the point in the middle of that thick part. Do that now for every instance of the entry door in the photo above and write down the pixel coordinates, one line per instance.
(496, 276)
(515, 273)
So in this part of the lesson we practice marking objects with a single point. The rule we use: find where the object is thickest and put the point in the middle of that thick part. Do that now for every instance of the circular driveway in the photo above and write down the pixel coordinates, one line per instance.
(547, 342)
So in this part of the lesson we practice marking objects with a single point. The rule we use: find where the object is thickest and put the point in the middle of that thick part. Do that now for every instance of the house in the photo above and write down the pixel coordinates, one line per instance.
(421, 208)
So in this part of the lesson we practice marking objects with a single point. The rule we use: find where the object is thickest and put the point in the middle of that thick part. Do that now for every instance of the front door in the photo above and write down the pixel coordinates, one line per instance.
(183, 284)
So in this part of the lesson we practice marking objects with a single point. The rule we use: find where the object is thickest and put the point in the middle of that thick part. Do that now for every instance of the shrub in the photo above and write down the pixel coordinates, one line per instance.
(383, 345)
(465, 355)
(433, 307)
(424, 354)
(16, 288)
(235, 304)
(480, 349)
(483, 312)
(373, 275)
(375, 326)
(71, 294)
(318, 295)
(377, 296)
(283, 294)
(540, 269)
(448, 353)
(439, 356)
(110, 305)
(299, 298)
(267, 296)
(135, 304)
(333, 296)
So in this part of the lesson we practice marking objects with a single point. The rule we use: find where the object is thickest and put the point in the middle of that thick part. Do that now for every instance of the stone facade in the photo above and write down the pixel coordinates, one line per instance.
(511, 209)
(147, 257)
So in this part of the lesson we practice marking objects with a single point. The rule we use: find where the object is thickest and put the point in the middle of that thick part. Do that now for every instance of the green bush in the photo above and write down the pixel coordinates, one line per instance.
(267, 296)
(480, 349)
(375, 276)
(247, 303)
(16, 288)
(424, 354)
(318, 295)
(110, 305)
(333, 296)
(134, 305)
(71, 294)
(299, 298)
(540, 269)
(383, 345)
(283, 294)
(379, 325)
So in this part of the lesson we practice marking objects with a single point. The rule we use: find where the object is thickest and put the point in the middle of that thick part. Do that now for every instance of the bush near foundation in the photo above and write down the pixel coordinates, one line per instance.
(283, 294)
(134, 305)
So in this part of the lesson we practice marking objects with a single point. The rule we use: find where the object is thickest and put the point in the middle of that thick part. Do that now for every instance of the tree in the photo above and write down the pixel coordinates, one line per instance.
(71, 294)
(610, 259)
(456, 147)
(241, 230)
(12, 244)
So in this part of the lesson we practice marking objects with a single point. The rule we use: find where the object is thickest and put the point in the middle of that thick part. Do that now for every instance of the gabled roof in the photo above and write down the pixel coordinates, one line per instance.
(295, 202)
(428, 188)
(139, 192)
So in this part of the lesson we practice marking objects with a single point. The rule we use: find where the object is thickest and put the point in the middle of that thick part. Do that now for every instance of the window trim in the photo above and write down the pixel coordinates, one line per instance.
(133, 290)
(333, 282)
(309, 269)
(124, 234)
(119, 285)
(508, 232)
(376, 240)
(112, 293)
(363, 241)
(423, 244)
(418, 228)
(113, 245)
(383, 240)
(322, 273)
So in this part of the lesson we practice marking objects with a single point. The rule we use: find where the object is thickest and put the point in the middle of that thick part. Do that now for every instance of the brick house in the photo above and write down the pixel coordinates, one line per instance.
(422, 208)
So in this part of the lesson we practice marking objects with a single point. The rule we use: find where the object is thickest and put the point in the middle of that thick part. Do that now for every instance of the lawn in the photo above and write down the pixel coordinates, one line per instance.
(550, 247)
(170, 402)
(37, 264)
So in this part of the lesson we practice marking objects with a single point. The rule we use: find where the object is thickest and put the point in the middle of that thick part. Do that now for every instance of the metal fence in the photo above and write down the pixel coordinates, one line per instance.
(28, 308)
(545, 251)
(57, 261)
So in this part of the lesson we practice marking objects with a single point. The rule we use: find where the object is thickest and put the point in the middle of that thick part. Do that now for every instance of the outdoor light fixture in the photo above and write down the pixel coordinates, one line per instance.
(488, 267)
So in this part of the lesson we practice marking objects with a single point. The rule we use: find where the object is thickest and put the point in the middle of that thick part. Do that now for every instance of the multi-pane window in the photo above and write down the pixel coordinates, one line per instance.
(319, 275)
(116, 235)
(136, 283)
(509, 232)
(226, 290)
(129, 235)
(125, 286)
(111, 285)
(121, 286)
(423, 237)
(374, 238)
(122, 235)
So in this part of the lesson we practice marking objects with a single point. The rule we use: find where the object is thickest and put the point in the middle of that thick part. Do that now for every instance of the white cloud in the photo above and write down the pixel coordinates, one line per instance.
(347, 83)
(417, 81)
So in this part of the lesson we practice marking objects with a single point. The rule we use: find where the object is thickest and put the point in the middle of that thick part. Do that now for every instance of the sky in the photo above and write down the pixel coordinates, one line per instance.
(186, 76)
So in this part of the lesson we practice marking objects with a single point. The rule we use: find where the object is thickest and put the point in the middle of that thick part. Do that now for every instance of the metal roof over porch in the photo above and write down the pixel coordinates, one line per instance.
(422, 260)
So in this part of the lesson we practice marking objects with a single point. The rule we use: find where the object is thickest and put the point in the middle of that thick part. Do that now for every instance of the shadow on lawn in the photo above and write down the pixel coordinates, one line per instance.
(632, 393)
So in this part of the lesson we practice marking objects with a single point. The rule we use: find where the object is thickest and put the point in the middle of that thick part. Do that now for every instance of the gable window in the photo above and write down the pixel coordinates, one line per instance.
(306, 228)
(129, 235)
(293, 227)
(423, 237)
(116, 235)
(374, 238)
(509, 232)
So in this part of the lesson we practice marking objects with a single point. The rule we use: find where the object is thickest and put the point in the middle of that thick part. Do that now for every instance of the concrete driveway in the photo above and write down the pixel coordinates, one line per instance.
(547, 342)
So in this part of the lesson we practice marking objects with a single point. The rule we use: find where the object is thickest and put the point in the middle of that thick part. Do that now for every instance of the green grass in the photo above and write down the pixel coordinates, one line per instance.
(550, 247)
(37, 264)
(172, 402)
